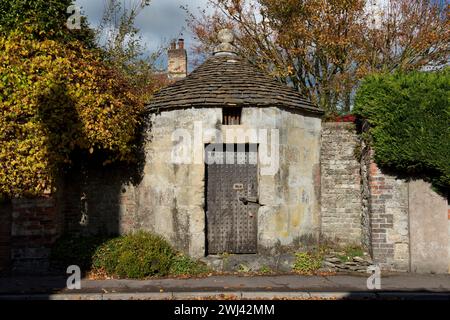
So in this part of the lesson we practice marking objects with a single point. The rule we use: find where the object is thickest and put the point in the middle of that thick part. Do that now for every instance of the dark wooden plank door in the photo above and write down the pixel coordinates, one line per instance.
(231, 222)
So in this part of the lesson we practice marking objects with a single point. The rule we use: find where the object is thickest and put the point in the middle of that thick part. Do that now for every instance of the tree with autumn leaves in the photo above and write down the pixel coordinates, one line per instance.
(323, 48)
(58, 95)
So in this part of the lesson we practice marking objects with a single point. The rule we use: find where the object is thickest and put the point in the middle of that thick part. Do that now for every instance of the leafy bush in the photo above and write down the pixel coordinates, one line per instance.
(137, 255)
(42, 19)
(308, 262)
(409, 117)
(56, 98)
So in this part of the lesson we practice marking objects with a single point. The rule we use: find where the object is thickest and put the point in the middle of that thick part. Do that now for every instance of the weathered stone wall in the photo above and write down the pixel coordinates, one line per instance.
(171, 197)
(383, 198)
(389, 219)
(403, 224)
(168, 198)
(340, 184)
(290, 199)
(345, 200)
(309, 194)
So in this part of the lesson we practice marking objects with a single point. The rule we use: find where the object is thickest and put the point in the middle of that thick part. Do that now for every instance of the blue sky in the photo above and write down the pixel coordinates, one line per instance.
(160, 22)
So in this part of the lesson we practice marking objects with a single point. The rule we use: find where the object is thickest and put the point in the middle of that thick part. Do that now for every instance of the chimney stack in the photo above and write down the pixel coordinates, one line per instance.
(181, 43)
(177, 68)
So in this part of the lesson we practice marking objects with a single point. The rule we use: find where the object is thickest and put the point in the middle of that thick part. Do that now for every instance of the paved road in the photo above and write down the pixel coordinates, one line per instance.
(241, 286)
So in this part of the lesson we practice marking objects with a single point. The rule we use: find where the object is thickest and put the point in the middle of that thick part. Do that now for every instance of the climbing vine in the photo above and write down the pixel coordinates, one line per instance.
(56, 98)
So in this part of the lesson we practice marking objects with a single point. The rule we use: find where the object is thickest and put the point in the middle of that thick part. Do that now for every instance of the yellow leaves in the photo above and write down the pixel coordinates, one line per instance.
(57, 99)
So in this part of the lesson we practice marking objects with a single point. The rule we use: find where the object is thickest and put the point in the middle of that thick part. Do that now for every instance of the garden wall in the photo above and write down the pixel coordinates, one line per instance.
(340, 184)
(407, 229)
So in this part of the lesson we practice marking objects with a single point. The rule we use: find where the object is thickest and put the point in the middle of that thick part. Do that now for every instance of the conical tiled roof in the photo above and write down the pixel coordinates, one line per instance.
(229, 80)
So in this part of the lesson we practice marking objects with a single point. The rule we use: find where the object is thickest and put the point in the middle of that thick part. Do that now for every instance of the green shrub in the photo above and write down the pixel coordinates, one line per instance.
(184, 265)
(137, 255)
(409, 117)
(308, 262)
(42, 19)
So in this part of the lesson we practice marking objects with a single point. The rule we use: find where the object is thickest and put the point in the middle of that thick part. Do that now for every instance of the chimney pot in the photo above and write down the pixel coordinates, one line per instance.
(177, 68)
(180, 43)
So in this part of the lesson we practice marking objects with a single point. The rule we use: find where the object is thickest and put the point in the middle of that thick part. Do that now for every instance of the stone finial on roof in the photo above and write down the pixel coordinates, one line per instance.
(226, 47)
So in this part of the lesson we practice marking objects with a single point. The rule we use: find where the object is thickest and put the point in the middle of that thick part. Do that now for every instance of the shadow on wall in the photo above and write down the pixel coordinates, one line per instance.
(95, 197)
(89, 201)
(97, 201)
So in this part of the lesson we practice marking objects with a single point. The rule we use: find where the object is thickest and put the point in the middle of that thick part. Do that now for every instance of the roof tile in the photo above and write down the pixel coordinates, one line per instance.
(223, 80)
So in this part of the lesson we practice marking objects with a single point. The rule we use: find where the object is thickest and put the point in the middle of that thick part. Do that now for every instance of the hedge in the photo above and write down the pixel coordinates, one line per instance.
(409, 122)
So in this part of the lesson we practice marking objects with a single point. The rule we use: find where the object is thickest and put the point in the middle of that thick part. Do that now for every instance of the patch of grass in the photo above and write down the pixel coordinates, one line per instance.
(307, 262)
(243, 268)
(265, 270)
(350, 252)
(184, 265)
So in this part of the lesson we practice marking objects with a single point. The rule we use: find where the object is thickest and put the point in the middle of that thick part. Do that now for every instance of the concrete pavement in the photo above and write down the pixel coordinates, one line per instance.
(230, 286)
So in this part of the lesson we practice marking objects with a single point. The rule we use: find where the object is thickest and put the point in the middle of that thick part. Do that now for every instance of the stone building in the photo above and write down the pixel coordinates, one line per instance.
(266, 194)
(235, 162)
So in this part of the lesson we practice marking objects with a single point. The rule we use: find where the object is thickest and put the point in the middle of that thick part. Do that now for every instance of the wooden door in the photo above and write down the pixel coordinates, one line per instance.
(231, 199)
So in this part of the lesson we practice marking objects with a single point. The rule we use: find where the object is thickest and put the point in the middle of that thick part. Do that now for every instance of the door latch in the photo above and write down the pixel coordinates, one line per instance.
(247, 200)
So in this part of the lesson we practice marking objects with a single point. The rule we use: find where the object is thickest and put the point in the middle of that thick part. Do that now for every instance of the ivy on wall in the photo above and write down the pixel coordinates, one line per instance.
(409, 118)
(56, 98)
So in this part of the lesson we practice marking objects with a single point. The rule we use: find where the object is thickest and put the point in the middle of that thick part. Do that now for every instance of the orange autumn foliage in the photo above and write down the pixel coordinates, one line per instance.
(323, 48)
(55, 98)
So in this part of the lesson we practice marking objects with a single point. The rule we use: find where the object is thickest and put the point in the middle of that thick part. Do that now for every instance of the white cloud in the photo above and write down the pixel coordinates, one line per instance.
(160, 22)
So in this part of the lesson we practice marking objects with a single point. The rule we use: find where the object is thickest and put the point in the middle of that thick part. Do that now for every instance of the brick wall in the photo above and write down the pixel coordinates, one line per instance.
(35, 226)
(389, 219)
(340, 184)
(5, 236)
(113, 202)
(374, 213)
(99, 200)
